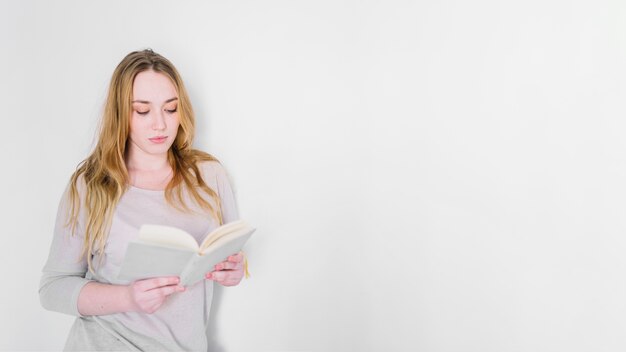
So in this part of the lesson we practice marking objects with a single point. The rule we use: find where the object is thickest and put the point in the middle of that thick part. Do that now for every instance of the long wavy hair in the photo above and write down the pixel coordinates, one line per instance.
(104, 172)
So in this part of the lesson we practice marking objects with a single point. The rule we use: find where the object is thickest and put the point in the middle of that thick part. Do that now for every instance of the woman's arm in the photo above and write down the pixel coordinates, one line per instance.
(144, 296)
(63, 287)
(63, 275)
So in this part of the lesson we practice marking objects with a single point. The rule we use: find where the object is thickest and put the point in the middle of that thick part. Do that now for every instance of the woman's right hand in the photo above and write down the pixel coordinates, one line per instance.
(146, 296)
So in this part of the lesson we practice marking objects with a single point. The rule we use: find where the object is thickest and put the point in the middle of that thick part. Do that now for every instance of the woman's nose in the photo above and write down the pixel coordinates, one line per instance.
(158, 123)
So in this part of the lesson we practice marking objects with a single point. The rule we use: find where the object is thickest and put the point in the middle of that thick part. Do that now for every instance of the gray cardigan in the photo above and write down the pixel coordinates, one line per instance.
(181, 322)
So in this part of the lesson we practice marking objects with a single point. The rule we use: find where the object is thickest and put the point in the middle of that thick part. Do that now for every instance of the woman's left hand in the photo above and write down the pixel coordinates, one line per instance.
(229, 272)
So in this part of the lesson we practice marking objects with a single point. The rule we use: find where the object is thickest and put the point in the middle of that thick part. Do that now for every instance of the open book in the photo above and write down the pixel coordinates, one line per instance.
(169, 251)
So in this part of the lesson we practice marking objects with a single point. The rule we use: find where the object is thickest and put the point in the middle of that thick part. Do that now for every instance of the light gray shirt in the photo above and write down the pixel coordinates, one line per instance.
(181, 322)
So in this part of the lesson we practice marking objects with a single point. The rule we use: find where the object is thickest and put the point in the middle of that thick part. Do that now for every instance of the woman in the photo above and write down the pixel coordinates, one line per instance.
(143, 170)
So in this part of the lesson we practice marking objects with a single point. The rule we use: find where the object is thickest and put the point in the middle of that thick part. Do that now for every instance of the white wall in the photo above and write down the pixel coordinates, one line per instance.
(427, 176)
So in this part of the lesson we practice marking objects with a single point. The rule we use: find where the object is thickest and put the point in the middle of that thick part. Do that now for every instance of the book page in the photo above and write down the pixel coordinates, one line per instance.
(221, 231)
(168, 236)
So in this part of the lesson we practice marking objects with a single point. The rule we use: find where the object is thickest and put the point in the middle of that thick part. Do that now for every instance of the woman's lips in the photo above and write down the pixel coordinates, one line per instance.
(158, 140)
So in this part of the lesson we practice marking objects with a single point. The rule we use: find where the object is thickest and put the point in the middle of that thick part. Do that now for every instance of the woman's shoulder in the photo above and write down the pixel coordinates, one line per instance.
(210, 167)
(76, 184)
(215, 176)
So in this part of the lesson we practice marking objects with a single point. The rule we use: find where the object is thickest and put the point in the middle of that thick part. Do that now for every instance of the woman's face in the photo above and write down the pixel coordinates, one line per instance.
(154, 118)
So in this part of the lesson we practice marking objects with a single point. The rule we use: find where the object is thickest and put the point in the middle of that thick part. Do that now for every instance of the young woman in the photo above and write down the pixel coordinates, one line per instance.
(143, 170)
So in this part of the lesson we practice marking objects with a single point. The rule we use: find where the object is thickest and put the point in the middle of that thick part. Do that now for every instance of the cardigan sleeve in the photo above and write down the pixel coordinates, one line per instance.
(214, 171)
(63, 275)
(230, 212)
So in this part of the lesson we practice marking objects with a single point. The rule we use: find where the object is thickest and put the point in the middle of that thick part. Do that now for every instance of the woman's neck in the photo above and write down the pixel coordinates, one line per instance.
(148, 171)
(146, 162)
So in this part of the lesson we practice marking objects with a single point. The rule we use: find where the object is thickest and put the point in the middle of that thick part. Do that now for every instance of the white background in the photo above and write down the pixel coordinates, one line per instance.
(426, 176)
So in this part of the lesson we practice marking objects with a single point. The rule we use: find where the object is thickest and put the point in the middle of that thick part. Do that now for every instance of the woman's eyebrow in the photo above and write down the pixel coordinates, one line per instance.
(147, 102)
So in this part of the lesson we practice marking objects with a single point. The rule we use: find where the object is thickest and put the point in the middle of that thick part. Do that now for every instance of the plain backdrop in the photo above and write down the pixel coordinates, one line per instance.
(424, 175)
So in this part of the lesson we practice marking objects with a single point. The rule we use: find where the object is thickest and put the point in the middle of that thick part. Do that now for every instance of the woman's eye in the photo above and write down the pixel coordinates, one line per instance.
(143, 112)
(172, 110)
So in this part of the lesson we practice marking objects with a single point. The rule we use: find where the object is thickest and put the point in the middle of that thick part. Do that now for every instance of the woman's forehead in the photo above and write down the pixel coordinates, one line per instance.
(153, 87)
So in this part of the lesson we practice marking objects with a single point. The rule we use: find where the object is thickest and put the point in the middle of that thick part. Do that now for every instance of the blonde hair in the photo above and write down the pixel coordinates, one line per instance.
(104, 172)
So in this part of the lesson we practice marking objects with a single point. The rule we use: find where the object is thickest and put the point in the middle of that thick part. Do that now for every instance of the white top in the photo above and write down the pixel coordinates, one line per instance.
(181, 322)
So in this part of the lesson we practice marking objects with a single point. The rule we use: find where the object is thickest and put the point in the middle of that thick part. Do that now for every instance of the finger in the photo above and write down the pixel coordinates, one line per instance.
(229, 266)
(156, 282)
(236, 258)
(218, 276)
(167, 290)
(226, 275)
(231, 280)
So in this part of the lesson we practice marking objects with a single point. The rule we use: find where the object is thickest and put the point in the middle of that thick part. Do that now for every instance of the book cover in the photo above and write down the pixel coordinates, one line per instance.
(169, 251)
